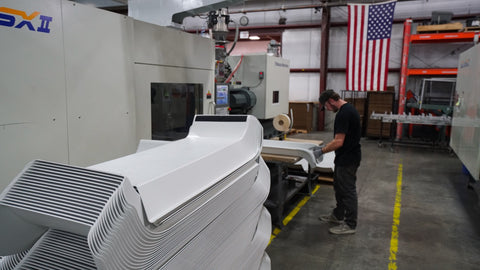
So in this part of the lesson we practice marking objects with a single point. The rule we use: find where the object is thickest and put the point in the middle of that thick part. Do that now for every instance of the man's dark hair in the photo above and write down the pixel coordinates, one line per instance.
(327, 95)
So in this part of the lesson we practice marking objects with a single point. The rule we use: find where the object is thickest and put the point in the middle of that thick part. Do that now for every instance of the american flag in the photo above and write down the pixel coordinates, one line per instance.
(369, 31)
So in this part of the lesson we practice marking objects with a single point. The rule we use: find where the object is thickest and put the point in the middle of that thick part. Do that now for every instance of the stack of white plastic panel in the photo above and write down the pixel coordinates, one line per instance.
(196, 203)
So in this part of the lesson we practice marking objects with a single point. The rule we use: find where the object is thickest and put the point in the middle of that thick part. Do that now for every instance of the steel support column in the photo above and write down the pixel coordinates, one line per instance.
(325, 33)
(407, 28)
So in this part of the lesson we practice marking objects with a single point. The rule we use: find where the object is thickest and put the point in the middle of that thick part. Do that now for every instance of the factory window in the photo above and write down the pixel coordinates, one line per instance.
(173, 107)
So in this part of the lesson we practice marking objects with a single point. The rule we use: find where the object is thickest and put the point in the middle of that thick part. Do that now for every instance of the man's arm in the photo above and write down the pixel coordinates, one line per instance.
(336, 143)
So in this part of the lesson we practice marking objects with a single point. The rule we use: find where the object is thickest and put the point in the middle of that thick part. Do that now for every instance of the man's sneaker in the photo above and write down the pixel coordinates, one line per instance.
(342, 229)
(331, 218)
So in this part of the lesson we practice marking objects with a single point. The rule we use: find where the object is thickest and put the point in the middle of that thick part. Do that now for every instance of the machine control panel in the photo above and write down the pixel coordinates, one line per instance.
(221, 99)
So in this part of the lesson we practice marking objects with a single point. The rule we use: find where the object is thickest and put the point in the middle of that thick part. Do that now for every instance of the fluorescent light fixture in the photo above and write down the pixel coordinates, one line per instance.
(254, 37)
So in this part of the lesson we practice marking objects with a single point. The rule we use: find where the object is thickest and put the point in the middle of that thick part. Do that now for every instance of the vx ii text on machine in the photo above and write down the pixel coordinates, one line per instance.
(9, 18)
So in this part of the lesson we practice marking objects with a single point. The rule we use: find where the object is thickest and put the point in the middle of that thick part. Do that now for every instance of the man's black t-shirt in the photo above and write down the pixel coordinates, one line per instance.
(347, 121)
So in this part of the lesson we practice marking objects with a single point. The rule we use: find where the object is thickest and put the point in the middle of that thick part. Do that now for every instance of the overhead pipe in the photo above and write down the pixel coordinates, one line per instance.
(275, 9)
(319, 6)
(332, 24)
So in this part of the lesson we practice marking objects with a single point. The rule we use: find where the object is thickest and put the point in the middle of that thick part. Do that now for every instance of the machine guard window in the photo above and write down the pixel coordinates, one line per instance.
(173, 107)
(276, 97)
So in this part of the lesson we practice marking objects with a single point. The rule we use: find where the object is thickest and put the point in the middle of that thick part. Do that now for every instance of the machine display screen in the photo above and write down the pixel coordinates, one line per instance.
(221, 96)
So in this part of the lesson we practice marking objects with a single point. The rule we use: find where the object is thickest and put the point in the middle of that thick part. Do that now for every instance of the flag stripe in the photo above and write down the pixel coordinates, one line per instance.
(365, 66)
(351, 23)
(382, 69)
(379, 66)
(365, 50)
(348, 86)
(375, 64)
(372, 58)
(386, 65)
(361, 54)
(356, 50)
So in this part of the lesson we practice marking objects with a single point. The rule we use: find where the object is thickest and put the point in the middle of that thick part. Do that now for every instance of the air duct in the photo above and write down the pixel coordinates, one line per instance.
(163, 13)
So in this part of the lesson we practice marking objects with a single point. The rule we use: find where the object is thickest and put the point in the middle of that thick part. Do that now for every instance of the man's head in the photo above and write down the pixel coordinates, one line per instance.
(329, 99)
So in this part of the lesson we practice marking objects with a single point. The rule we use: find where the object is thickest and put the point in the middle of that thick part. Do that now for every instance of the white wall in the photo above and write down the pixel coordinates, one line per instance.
(302, 48)
(304, 86)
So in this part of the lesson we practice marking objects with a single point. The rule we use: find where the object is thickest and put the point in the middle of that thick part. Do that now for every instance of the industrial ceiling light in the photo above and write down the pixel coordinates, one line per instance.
(254, 37)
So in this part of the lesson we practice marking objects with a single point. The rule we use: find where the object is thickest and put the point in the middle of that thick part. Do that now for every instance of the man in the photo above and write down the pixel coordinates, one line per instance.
(346, 144)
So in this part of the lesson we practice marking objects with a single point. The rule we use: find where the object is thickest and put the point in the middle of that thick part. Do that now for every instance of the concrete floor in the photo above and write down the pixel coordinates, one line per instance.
(439, 223)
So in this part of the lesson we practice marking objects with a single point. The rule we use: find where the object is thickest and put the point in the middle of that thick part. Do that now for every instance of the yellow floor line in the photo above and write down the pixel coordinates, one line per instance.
(392, 265)
(290, 216)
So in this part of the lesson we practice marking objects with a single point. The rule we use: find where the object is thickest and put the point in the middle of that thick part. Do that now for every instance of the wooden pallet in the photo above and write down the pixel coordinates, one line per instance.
(280, 158)
(471, 29)
(326, 177)
(295, 131)
(317, 142)
(440, 28)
